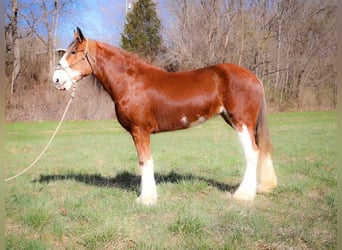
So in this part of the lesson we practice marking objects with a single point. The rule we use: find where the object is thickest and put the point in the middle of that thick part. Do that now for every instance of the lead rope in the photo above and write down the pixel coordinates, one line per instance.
(52, 137)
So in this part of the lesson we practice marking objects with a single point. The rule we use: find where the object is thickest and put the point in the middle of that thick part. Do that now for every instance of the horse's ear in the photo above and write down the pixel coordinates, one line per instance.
(78, 34)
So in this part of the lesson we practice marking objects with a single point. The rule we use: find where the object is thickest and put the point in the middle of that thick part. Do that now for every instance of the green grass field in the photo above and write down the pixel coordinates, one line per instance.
(81, 194)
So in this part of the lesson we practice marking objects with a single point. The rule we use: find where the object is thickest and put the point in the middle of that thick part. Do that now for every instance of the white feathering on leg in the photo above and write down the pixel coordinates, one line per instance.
(248, 186)
(148, 194)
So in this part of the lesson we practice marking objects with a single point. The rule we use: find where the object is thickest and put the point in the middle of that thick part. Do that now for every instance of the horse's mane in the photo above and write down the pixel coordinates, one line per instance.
(129, 57)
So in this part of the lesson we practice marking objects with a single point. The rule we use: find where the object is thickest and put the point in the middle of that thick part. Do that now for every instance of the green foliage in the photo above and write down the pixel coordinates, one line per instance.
(142, 30)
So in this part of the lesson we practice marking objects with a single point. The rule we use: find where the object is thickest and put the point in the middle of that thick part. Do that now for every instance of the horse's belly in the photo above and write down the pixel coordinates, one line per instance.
(182, 123)
(181, 119)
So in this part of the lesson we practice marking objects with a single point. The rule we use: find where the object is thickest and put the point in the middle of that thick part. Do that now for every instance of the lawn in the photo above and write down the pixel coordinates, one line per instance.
(81, 194)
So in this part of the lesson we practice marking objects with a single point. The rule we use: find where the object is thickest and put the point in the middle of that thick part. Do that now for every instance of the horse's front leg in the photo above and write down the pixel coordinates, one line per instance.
(148, 194)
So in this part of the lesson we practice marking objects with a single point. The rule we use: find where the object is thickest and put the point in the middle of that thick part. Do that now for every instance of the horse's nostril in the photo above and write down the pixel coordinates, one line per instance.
(57, 80)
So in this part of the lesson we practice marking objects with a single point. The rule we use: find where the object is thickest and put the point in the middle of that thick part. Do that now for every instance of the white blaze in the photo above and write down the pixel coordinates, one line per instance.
(65, 77)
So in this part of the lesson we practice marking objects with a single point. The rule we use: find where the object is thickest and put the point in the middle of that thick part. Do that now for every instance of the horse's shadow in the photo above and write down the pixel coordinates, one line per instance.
(131, 182)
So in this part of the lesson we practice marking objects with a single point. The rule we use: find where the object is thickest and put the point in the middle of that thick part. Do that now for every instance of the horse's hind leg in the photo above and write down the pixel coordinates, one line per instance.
(267, 176)
(248, 187)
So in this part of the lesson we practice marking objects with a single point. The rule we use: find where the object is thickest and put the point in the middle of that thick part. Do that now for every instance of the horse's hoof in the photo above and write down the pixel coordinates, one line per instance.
(243, 195)
(263, 189)
(147, 200)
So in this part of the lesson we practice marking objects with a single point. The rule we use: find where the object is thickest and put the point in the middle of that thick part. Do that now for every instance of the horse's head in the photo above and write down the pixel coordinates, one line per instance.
(74, 64)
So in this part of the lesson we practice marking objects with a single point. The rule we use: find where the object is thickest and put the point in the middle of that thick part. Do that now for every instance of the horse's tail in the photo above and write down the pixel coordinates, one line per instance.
(267, 177)
(262, 133)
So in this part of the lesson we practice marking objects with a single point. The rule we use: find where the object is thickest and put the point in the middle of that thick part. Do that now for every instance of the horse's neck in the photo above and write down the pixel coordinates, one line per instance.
(113, 66)
(109, 67)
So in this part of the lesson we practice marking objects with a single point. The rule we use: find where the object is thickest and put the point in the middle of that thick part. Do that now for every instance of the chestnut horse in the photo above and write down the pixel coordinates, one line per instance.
(150, 100)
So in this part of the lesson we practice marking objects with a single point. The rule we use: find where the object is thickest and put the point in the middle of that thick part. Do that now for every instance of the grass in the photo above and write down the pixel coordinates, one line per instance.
(81, 194)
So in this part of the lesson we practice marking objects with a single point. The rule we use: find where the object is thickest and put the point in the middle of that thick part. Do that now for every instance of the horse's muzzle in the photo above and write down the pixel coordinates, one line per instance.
(61, 80)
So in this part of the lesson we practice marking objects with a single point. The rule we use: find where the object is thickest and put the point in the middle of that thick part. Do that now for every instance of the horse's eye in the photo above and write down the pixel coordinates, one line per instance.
(73, 52)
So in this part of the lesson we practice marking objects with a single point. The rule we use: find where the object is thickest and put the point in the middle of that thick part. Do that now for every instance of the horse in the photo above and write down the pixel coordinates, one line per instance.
(150, 100)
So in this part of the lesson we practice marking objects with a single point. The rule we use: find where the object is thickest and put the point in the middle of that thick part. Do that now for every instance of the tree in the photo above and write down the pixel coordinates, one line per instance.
(142, 30)
(41, 18)
(15, 42)
(289, 44)
(200, 33)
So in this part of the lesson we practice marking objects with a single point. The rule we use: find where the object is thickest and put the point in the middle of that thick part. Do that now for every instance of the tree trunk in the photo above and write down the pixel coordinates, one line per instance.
(242, 32)
(16, 44)
(55, 28)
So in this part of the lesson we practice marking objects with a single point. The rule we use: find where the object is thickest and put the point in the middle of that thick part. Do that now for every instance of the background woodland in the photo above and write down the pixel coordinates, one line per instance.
(290, 44)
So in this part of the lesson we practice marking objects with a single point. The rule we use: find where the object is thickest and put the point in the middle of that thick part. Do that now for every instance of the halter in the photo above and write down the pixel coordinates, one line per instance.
(85, 56)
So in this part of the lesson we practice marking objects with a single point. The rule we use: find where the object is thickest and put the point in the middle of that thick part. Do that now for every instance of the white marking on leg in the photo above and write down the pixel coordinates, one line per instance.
(148, 194)
(268, 179)
(248, 186)
(222, 110)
